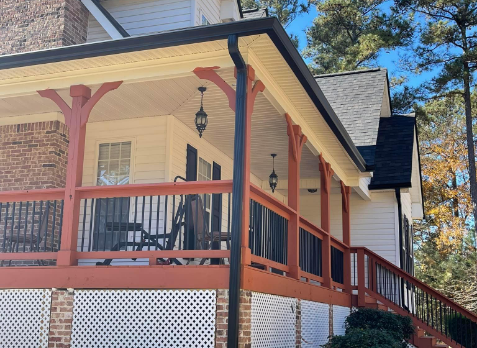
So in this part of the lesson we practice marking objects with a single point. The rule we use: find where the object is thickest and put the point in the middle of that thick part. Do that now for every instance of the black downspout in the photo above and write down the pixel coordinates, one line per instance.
(398, 199)
(401, 258)
(237, 191)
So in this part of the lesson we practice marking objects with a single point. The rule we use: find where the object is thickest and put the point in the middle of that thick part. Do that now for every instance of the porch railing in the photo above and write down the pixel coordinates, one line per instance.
(265, 210)
(30, 226)
(430, 310)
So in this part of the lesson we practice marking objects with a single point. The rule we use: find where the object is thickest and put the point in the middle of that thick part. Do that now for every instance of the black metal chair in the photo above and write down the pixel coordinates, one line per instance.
(32, 240)
(147, 239)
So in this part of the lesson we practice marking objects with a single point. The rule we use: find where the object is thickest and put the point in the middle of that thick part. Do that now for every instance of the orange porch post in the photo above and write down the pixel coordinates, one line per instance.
(346, 218)
(296, 140)
(76, 118)
(325, 188)
(209, 73)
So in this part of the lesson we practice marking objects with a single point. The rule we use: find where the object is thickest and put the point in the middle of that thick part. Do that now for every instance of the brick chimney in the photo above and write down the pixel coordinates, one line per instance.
(32, 25)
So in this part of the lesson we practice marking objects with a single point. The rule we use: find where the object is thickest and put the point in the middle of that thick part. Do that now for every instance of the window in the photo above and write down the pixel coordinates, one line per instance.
(204, 20)
(205, 174)
(114, 163)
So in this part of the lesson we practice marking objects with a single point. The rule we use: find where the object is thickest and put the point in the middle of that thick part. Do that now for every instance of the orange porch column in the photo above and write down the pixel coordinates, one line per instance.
(325, 188)
(296, 140)
(346, 218)
(76, 118)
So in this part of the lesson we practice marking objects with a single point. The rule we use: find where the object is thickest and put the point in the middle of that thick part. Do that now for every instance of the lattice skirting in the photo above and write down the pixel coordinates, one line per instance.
(24, 318)
(144, 318)
(315, 324)
(273, 321)
(339, 315)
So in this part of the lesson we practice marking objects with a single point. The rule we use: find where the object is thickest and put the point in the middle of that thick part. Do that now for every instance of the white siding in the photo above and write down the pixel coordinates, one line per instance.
(406, 204)
(139, 17)
(210, 9)
(373, 223)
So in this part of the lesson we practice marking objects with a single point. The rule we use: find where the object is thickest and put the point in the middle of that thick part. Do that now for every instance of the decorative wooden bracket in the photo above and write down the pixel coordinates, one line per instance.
(326, 171)
(76, 118)
(209, 73)
(345, 192)
(79, 91)
(294, 131)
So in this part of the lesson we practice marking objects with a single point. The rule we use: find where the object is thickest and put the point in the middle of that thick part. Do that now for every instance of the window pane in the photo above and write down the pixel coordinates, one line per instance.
(114, 164)
(126, 149)
(114, 167)
(103, 152)
(124, 167)
(115, 150)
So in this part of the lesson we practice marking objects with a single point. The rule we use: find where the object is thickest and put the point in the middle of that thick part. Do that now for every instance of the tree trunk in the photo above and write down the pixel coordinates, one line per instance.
(470, 140)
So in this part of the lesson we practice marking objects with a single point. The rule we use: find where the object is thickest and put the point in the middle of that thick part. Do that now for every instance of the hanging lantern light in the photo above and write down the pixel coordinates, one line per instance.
(201, 116)
(273, 178)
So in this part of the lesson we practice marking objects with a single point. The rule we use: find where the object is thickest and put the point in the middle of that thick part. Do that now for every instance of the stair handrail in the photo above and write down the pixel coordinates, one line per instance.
(416, 281)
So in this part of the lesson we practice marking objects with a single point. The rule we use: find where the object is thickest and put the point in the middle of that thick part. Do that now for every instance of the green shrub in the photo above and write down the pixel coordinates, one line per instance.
(358, 338)
(462, 330)
(372, 328)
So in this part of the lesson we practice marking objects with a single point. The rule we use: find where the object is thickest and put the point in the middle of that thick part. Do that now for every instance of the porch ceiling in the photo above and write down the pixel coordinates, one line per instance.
(159, 81)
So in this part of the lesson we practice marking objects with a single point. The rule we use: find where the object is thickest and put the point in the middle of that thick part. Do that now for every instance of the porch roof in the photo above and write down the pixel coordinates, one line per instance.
(16, 66)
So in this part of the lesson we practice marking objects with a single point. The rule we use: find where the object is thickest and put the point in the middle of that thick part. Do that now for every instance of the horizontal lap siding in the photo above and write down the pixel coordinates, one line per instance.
(141, 17)
(373, 223)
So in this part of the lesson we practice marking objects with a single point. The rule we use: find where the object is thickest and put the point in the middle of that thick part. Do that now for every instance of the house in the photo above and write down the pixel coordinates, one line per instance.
(172, 175)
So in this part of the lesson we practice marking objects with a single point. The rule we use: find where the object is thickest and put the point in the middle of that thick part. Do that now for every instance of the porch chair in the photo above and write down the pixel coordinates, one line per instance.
(204, 238)
(153, 240)
(29, 239)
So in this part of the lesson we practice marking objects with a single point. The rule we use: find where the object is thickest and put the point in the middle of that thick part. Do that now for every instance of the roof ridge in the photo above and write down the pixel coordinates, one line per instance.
(352, 72)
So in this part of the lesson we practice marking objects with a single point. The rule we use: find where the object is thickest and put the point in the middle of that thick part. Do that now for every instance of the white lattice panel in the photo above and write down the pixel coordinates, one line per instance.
(315, 324)
(144, 318)
(339, 315)
(273, 321)
(24, 318)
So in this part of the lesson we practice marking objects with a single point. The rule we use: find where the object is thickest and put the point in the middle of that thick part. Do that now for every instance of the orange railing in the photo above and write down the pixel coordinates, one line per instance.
(312, 258)
(406, 295)
(137, 221)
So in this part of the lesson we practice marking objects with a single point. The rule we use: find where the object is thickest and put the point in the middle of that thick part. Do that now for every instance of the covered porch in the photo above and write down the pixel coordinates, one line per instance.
(162, 216)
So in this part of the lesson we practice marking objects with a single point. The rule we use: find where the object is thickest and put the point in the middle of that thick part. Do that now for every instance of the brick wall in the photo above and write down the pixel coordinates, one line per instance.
(245, 319)
(31, 25)
(61, 319)
(33, 156)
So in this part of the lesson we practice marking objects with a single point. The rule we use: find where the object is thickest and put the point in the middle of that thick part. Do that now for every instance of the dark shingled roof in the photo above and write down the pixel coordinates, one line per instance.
(357, 98)
(393, 158)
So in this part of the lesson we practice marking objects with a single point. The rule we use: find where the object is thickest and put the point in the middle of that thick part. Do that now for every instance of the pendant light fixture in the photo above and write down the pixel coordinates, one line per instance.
(273, 178)
(201, 116)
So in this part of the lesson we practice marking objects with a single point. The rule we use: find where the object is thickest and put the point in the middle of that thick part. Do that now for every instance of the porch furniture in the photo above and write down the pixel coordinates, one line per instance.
(147, 239)
(204, 238)
(32, 240)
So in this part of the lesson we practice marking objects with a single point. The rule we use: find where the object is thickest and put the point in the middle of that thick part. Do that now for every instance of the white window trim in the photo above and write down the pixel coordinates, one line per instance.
(132, 163)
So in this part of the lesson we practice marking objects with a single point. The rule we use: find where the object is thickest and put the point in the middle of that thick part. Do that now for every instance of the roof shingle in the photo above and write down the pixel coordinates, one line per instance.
(357, 98)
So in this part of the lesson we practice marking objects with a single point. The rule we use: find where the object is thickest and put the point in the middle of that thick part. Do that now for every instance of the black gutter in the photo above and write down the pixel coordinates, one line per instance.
(390, 186)
(237, 191)
(111, 19)
(270, 26)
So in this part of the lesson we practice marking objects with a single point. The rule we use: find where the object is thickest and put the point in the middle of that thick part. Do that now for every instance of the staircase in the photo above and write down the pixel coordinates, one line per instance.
(440, 322)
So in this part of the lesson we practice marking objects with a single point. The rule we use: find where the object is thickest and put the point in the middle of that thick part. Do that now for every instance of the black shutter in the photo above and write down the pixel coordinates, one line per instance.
(216, 200)
(191, 165)
(191, 175)
(216, 211)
